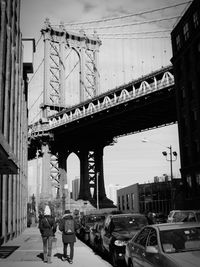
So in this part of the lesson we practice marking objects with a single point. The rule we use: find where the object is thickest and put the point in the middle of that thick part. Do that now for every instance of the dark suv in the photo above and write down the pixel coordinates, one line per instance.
(116, 231)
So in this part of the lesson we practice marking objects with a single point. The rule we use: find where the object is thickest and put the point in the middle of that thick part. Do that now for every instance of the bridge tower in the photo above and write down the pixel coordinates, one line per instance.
(57, 45)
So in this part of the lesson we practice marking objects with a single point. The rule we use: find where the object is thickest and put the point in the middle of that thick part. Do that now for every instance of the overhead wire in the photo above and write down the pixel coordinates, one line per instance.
(137, 38)
(124, 16)
(131, 33)
(129, 24)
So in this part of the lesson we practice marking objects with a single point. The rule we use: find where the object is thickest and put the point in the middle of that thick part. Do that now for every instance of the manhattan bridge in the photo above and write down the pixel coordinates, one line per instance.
(96, 81)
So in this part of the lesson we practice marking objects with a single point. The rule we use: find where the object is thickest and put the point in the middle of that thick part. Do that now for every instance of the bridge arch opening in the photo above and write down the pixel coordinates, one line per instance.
(73, 173)
(72, 76)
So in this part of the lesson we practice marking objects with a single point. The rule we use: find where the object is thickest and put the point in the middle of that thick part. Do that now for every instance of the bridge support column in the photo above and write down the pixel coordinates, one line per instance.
(84, 192)
(104, 202)
(46, 190)
(64, 187)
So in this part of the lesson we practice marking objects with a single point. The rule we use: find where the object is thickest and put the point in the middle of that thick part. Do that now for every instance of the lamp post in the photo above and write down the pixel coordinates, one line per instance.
(170, 159)
(97, 181)
(171, 154)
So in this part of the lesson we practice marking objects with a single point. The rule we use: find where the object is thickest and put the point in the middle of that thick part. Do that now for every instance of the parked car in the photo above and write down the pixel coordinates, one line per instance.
(86, 222)
(116, 231)
(169, 245)
(95, 235)
(184, 216)
(160, 218)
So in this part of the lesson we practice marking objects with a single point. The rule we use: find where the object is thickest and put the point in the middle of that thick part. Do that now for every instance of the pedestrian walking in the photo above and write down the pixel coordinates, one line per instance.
(47, 228)
(68, 227)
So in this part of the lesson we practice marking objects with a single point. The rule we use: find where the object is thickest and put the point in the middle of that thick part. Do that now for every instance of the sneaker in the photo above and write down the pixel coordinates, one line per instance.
(63, 258)
(70, 261)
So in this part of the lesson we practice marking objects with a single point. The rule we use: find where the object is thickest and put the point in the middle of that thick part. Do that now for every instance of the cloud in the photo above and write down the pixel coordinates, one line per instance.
(88, 6)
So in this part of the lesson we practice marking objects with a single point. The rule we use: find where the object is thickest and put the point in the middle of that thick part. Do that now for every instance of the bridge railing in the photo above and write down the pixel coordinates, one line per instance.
(127, 93)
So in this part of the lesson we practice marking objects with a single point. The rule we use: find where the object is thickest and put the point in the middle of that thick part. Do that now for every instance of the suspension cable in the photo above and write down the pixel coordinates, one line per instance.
(131, 33)
(72, 70)
(35, 101)
(36, 71)
(129, 24)
(35, 117)
(135, 38)
(37, 43)
(125, 16)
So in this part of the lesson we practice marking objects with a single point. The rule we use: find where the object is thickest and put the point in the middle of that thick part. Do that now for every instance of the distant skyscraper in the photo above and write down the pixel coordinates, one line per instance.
(75, 188)
(112, 192)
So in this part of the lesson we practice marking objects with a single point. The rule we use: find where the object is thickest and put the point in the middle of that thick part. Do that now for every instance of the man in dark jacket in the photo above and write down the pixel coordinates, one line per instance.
(47, 228)
(68, 227)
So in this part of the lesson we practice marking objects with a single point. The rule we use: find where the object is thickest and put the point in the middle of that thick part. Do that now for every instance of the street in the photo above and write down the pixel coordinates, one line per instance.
(28, 252)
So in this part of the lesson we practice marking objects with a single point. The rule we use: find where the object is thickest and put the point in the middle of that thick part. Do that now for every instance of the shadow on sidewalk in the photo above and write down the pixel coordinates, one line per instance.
(58, 255)
(6, 251)
(41, 256)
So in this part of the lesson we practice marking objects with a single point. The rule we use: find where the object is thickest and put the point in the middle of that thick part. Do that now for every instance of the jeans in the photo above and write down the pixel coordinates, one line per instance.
(47, 245)
(71, 244)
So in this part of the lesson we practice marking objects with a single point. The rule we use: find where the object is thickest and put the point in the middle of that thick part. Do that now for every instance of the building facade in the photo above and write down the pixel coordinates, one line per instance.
(13, 124)
(128, 199)
(186, 61)
(150, 197)
(75, 188)
(112, 192)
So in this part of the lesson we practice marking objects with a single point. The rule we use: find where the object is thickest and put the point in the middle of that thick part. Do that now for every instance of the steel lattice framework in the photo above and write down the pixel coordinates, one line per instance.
(159, 80)
(58, 43)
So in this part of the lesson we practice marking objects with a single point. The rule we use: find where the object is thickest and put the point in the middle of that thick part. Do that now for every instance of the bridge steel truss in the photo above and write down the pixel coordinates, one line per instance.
(57, 46)
(90, 126)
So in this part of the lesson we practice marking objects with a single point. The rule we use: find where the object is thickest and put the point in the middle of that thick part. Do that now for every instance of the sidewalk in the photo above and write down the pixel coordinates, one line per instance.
(28, 252)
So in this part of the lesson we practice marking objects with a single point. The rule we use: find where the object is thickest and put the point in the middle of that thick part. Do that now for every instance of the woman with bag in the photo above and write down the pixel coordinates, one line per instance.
(68, 228)
(47, 228)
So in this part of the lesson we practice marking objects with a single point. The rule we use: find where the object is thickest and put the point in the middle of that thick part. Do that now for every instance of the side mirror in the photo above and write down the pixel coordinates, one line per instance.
(151, 249)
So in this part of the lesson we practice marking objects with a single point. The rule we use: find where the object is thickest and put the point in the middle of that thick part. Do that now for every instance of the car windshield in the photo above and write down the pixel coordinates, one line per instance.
(179, 240)
(129, 223)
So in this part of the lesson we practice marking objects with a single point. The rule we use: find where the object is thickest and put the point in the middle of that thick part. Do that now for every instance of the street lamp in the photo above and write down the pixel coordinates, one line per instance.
(170, 159)
(171, 154)
(97, 184)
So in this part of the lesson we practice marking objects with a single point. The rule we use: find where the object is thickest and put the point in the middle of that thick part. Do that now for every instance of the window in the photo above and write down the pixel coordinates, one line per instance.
(132, 200)
(127, 201)
(183, 92)
(123, 203)
(178, 42)
(141, 239)
(195, 20)
(189, 180)
(119, 204)
(186, 31)
(152, 239)
(193, 119)
(198, 178)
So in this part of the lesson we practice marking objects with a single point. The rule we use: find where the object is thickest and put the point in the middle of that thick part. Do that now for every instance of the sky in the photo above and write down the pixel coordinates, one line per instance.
(129, 160)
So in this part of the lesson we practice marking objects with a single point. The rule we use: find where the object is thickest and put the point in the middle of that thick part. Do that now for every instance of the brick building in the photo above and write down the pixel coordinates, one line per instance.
(186, 61)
